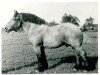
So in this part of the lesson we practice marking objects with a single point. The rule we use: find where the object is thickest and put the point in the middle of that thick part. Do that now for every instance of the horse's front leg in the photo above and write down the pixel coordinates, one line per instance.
(42, 62)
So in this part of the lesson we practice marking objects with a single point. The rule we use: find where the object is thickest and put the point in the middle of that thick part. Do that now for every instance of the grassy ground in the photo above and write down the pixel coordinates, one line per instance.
(18, 56)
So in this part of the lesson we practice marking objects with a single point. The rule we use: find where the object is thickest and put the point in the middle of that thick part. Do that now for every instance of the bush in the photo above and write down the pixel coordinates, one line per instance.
(71, 19)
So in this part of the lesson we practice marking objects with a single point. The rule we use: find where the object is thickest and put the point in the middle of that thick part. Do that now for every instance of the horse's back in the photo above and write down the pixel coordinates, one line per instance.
(55, 36)
(71, 27)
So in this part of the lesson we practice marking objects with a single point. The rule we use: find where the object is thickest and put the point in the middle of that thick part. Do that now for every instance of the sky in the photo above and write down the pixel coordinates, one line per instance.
(49, 10)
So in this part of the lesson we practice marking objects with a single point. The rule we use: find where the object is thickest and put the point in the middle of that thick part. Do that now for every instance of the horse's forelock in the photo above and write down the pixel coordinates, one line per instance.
(15, 14)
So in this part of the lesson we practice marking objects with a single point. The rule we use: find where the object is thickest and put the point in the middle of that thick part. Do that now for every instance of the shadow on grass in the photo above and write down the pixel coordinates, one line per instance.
(13, 69)
(69, 59)
(92, 62)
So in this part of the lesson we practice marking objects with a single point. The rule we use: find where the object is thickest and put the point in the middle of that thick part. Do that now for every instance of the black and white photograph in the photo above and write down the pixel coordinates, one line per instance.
(49, 37)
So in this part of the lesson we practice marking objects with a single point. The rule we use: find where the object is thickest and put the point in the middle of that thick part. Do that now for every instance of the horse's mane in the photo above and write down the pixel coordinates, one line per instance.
(27, 17)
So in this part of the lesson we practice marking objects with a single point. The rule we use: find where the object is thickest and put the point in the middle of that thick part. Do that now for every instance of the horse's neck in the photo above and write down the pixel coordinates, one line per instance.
(30, 28)
(27, 26)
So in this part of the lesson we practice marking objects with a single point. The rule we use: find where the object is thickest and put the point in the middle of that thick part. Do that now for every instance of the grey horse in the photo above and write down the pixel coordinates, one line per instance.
(43, 36)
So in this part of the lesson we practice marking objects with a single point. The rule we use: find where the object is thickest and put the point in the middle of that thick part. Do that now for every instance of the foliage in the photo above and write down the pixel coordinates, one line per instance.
(89, 25)
(52, 23)
(71, 19)
(89, 21)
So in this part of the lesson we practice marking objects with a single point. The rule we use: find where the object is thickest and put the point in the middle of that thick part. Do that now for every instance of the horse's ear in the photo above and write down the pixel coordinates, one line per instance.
(15, 11)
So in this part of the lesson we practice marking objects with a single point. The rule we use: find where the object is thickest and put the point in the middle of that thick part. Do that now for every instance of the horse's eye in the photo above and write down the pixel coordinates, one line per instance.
(15, 19)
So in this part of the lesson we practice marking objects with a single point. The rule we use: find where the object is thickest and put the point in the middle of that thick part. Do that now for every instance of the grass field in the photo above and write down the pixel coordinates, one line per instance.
(18, 56)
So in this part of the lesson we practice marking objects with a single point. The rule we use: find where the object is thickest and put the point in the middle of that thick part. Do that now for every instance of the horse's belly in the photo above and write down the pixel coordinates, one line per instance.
(52, 43)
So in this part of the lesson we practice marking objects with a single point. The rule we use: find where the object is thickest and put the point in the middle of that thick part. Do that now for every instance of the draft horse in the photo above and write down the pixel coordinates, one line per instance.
(42, 36)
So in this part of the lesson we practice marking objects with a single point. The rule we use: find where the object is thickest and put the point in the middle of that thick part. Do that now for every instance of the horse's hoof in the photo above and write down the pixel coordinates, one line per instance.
(85, 71)
(37, 71)
(74, 69)
(77, 66)
(30, 72)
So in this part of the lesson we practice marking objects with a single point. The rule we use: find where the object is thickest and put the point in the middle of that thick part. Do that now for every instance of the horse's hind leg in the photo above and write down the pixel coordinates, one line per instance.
(42, 62)
(81, 56)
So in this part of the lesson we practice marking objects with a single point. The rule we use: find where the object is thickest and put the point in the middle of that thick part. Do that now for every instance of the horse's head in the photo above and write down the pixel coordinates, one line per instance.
(15, 23)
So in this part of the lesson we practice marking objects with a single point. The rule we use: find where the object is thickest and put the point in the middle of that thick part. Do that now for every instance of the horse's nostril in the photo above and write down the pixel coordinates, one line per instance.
(5, 29)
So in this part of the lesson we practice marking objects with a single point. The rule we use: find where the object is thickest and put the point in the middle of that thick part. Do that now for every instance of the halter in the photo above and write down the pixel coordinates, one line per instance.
(21, 22)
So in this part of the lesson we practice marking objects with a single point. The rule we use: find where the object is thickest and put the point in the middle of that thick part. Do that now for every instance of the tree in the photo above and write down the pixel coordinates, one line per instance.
(71, 19)
(89, 24)
(89, 21)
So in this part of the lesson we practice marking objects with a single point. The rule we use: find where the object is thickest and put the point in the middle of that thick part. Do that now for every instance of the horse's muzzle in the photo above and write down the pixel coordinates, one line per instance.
(6, 30)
